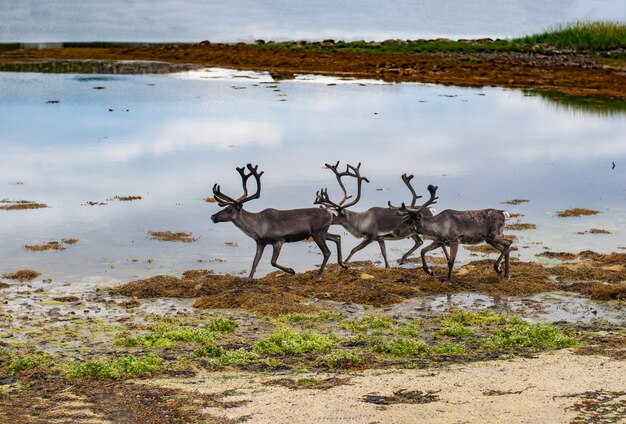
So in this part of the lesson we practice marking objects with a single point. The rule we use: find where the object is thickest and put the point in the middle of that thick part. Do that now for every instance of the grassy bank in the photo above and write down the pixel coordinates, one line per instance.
(589, 36)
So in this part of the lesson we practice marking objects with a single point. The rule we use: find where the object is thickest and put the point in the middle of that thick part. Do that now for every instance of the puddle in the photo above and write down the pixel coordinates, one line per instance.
(545, 307)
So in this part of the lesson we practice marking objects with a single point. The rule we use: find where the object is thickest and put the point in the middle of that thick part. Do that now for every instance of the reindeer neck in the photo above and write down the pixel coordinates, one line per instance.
(246, 221)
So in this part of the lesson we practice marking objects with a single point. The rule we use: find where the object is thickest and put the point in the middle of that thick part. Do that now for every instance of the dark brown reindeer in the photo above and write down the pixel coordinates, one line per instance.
(275, 227)
(451, 228)
(373, 224)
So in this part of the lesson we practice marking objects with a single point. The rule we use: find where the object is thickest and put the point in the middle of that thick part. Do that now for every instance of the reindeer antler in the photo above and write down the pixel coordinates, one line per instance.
(407, 181)
(225, 200)
(351, 171)
(432, 200)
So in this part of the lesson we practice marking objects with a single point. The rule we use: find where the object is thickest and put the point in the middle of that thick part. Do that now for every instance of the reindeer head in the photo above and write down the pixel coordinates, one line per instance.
(413, 216)
(233, 207)
(338, 209)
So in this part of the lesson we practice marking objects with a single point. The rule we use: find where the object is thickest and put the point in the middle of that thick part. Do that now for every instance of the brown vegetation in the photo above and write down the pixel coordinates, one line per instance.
(127, 198)
(12, 205)
(520, 227)
(597, 276)
(515, 201)
(169, 236)
(52, 245)
(22, 275)
(576, 212)
(66, 298)
(53, 399)
(562, 256)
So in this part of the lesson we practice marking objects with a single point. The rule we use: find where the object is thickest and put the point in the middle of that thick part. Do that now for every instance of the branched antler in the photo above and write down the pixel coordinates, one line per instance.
(322, 197)
(225, 200)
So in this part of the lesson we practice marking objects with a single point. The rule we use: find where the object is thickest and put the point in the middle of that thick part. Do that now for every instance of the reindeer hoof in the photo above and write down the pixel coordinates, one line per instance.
(429, 271)
(401, 262)
(344, 266)
(291, 271)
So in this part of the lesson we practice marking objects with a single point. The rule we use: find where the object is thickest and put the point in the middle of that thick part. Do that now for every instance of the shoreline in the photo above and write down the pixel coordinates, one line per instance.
(547, 70)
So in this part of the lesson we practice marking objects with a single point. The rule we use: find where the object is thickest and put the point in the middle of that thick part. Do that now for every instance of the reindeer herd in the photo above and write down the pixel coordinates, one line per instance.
(446, 229)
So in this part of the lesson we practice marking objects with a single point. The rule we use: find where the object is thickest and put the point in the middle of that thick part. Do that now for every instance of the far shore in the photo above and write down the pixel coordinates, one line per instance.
(469, 63)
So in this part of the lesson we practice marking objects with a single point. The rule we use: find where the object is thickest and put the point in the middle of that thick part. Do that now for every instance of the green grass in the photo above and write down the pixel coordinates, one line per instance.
(114, 369)
(221, 325)
(597, 36)
(455, 329)
(518, 333)
(340, 360)
(401, 346)
(410, 329)
(471, 318)
(444, 349)
(168, 338)
(370, 322)
(28, 362)
(285, 341)
(601, 35)
(425, 46)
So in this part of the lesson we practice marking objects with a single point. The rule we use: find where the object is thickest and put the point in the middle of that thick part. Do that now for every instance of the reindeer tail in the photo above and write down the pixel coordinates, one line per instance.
(506, 214)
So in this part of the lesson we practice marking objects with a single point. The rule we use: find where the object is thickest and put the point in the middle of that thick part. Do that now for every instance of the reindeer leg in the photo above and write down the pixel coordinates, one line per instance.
(418, 242)
(337, 240)
(321, 243)
(501, 249)
(454, 247)
(383, 250)
(445, 252)
(260, 247)
(505, 249)
(277, 246)
(358, 247)
(432, 246)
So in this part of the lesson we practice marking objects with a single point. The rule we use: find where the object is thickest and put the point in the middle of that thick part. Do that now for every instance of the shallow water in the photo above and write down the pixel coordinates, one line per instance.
(169, 138)
(247, 20)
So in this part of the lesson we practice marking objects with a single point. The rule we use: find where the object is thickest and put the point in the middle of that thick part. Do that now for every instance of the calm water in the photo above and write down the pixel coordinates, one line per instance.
(168, 138)
(246, 20)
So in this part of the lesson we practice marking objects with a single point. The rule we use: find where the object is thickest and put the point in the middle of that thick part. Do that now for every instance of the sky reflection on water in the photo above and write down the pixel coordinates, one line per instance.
(169, 138)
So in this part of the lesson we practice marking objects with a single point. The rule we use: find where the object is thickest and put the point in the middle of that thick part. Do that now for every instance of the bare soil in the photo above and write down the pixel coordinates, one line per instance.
(562, 72)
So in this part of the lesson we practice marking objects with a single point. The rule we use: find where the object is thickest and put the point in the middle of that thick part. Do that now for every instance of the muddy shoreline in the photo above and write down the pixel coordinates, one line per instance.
(558, 71)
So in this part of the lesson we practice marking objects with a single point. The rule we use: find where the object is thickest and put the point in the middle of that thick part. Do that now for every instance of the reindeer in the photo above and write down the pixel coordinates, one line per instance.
(276, 227)
(374, 224)
(451, 228)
